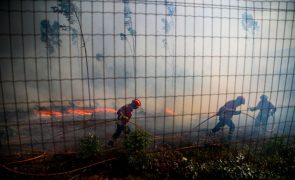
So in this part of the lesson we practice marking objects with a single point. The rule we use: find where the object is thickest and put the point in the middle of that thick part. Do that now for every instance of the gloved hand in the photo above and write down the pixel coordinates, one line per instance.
(122, 116)
(252, 108)
(124, 121)
(237, 112)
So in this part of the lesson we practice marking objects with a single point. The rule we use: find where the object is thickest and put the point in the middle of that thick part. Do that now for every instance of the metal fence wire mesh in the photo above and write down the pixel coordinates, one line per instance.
(68, 66)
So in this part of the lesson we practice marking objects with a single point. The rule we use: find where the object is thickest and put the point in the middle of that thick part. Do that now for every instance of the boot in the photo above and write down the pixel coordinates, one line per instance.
(211, 133)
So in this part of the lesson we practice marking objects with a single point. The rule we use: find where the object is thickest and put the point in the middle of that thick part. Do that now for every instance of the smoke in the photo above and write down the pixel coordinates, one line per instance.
(197, 69)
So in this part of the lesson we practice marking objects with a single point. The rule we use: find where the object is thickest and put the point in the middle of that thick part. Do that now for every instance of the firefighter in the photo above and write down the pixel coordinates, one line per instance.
(226, 113)
(124, 115)
(266, 109)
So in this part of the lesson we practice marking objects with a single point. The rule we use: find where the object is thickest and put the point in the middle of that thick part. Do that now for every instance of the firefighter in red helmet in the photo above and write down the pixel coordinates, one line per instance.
(123, 116)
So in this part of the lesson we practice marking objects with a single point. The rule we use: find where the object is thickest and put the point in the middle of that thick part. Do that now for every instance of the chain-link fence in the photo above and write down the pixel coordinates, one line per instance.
(68, 66)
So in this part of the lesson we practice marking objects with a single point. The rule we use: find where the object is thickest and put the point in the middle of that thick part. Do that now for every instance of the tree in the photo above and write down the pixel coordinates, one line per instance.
(50, 33)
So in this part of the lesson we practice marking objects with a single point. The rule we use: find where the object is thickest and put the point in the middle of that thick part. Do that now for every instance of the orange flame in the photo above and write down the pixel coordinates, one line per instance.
(170, 112)
(77, 112)
(110, 110)
(44, 113)
(81, 112)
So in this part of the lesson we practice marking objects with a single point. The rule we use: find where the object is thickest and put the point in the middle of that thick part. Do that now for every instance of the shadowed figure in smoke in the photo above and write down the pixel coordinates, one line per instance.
(226, 113)
(124, 115)
(266, 109)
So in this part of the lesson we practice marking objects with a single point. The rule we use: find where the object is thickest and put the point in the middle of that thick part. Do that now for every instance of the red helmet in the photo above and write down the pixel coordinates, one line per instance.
(136, 102)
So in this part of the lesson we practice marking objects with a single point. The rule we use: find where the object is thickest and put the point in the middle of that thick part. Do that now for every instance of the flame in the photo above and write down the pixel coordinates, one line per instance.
(45, 113)
(76, 112)
(86, 112)
(170, 112)
(81, 112)
(111, 110)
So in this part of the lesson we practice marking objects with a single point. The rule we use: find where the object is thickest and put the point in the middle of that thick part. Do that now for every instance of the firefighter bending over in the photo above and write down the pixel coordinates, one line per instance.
(226, 113)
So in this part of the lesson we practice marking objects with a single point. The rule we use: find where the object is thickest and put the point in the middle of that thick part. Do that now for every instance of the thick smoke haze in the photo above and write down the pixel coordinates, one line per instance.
(190, 59)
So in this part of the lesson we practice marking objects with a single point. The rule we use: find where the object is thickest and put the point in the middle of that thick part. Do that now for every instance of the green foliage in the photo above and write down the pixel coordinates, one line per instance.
(187, 169)
(276, 160)
(67, 8)
(233, 168)
(216, 163)
(288, 153)
(172, 165)
(141, 162)
(89, 147)
(135, 146)
(278, 157)
(165, 163)
(137, 142)
(274, 146)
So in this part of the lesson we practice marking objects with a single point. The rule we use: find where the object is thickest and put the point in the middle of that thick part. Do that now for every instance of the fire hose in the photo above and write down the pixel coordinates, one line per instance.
(207, 119)
(204, 121)
(55, 174)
